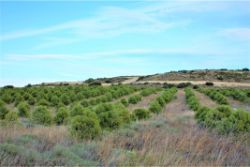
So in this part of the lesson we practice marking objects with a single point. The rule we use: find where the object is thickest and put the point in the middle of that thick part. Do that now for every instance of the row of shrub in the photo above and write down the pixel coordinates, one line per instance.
(156, 106)
(89, 122)
(149, 91)
(137, 98)
(223, 119)
(237, 94)
(215, 95)
(63, 95)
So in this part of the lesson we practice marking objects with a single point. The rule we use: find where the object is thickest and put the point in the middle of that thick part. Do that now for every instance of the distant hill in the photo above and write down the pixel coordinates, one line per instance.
(220, 77)
(201, 75)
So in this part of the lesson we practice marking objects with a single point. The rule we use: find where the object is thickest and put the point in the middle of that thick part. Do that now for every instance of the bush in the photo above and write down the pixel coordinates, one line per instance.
(209, 84)
(167, 85)
(134, 99)
(77, 110)
(108, 117)
(155, 107)
(41, 115)
(83, 127)
(123, 113)
(200, 115)
(54, 100)
(141, 114)
(3, 111)
(43, 102)
(61, 116)
(11, 116)
(23, 109)
(124, 102)
(184, 85)
(148, 91)
(65, 99)
(191, 99)
(7, 98)
(215, 95)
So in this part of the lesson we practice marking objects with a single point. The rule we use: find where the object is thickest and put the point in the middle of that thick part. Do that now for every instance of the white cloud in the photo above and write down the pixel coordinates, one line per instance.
(109, 21)
(241, 33)
(114, 55)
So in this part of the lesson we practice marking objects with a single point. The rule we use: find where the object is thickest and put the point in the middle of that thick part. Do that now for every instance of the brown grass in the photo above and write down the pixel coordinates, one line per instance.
(53, 134)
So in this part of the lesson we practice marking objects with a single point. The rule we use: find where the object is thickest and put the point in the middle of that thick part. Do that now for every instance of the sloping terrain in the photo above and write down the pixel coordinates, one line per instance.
(201, 75)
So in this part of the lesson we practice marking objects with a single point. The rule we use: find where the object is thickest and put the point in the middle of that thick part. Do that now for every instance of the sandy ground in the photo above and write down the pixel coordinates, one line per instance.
(205, 100)
(237, 104)
(177, 108)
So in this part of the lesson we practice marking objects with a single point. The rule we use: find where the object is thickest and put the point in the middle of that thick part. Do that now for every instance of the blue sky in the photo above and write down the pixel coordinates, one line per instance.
(73, 41)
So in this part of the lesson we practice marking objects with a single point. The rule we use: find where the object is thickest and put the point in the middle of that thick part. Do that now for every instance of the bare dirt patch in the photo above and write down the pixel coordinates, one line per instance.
(205, 100)
(177, 110)
(239, 105)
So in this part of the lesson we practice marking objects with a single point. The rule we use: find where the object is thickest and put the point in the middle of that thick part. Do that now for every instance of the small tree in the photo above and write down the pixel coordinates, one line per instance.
(42, 116)
(155, 107)
(3, 111)
(141, 114)
(23, 109)
(61, 116)
(11, 117)
(84, 127)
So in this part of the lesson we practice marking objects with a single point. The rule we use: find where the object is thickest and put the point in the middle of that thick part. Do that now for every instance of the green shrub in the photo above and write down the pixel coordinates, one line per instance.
(124, 102)
(84, 127)
(110, 119)
(226, 111)
(141, 114)
(148, 91)
(155, 107)
(84, 103)
(42, 115)
(161, 101)
(241, 121)
(134, 99)
(11, 116)
(77, 110)
(7, 98)
(61, 116)
(43, 102)
(200, 115)
(31, 100)
(123, 113)
(23, 109)
(3, 111)
(54, 100)
(65, 99)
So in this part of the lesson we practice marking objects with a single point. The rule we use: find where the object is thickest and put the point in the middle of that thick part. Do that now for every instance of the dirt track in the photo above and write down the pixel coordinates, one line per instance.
(205, 100)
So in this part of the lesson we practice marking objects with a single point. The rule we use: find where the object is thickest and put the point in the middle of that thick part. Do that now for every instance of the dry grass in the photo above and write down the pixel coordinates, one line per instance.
(53, 134)
(190, 146)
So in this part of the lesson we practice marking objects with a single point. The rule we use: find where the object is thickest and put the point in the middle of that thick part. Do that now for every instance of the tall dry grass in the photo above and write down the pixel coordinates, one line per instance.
(191, 146)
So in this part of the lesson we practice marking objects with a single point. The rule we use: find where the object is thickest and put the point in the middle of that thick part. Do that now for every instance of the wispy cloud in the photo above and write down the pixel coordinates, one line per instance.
(240, 33)
(109, 21)
(113, 54)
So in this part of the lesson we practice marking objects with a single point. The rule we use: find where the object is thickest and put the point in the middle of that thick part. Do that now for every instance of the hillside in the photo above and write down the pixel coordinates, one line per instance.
(201, 75)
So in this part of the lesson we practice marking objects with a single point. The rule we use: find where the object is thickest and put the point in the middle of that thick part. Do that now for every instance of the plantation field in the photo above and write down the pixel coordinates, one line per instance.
(124, 125)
